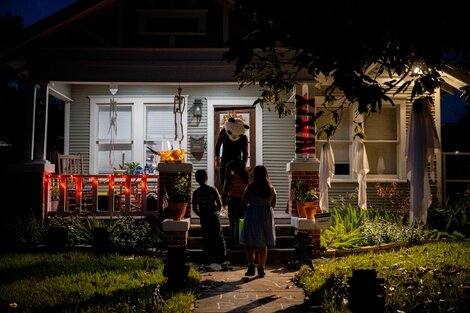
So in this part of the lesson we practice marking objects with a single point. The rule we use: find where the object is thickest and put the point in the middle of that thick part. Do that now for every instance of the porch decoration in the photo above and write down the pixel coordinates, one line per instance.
(361, 167)
(179, 196)
(198, 146)
(179, 104)
(304, 127)
(306, 199)
(423, 143)
(327, 171)
(55, 195)
(170, 156)
(112, 130)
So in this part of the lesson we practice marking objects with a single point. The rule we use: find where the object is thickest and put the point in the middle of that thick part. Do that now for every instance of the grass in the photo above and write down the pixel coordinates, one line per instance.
(83, 282)
(433, 277)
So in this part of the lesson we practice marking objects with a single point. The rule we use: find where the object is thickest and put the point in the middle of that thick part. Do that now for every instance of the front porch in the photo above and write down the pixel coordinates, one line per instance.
(101, 195)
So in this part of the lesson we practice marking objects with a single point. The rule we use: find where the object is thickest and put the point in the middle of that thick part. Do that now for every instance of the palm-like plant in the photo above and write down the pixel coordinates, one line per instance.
(303, 193)
(181, 190)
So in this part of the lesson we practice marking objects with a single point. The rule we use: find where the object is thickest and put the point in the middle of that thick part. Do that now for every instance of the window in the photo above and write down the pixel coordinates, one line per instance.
(172, 22)
(384, 141)
(341, 141)
(140, 122)
(159, 132)
(114, 136)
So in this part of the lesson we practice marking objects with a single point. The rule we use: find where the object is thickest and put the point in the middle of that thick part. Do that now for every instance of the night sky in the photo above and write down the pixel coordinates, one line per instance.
(32, 10)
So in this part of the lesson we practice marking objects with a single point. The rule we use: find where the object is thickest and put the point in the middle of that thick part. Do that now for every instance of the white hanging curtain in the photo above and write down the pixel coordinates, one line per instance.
(361, 167)
(327, 171)
(421, 146)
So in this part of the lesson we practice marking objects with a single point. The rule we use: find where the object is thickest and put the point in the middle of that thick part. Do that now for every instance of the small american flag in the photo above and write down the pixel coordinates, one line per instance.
(166, 200)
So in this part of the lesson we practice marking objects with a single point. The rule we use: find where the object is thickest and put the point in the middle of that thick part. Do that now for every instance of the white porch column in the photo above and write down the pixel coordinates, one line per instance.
(36, 123)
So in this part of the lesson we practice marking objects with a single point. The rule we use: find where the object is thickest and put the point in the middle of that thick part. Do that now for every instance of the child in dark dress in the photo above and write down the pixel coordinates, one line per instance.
(206, 204)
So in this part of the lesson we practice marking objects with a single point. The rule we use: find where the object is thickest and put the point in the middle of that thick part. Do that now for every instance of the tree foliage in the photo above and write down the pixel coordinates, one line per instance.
(354, 44)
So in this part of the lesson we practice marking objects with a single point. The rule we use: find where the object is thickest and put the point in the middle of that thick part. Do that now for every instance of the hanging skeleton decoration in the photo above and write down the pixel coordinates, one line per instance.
(112, 130)
(178, 109)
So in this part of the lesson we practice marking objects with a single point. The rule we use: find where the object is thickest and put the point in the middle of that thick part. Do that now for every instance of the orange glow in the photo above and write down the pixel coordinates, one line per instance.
(172, 156)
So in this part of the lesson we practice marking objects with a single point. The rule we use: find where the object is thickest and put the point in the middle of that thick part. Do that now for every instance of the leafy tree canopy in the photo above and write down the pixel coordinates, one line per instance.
(352, 43)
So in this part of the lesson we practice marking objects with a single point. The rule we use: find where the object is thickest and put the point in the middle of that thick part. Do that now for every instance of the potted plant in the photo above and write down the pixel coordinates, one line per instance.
(55, 195)
(305, 199)
(133, 168)
(309, 195)
(180, 195)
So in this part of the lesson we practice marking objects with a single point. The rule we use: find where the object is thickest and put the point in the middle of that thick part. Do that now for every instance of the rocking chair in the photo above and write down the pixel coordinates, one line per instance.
(72, 164)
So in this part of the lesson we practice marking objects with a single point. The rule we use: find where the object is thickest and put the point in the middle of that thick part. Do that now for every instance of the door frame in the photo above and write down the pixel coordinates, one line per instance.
(251, 138)
(225, 102)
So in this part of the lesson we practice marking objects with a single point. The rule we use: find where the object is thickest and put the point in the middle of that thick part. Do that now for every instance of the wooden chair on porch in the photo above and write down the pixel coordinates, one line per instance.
(72, 164)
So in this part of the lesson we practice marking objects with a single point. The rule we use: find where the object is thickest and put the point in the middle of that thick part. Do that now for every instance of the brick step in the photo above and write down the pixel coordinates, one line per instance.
(225, 221)
(237, 256)
(281, 230)
(281, 242)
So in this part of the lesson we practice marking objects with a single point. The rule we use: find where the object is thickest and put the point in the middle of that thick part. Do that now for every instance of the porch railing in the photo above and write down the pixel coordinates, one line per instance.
(100, 195)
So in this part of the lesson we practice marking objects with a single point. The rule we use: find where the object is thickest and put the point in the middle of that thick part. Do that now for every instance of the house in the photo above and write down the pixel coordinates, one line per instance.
(118, 65)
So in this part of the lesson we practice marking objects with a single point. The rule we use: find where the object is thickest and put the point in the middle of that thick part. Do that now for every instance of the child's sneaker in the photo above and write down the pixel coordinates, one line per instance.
(226, 265)
(251, 270)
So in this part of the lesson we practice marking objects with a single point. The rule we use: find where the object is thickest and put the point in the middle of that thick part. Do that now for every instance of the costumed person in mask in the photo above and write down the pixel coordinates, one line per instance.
(234, 143)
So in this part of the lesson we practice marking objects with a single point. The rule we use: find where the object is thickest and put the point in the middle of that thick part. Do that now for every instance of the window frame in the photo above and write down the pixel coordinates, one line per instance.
(139, 124)
(400, 104)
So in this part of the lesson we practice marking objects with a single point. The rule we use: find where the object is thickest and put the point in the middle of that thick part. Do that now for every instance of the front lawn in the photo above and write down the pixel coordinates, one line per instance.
(84, 282)
(433, 277)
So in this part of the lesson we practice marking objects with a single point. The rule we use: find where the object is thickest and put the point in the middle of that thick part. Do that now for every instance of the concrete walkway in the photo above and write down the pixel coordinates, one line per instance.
(232, 291)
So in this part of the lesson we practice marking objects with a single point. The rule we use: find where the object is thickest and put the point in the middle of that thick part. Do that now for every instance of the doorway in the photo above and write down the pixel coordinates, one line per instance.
(249, 116)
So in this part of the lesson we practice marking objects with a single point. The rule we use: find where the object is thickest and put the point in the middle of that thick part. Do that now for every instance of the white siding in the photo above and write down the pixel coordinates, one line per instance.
(278, 150)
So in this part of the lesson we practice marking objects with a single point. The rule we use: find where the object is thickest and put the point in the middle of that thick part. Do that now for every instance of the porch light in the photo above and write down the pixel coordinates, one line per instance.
(197, 113)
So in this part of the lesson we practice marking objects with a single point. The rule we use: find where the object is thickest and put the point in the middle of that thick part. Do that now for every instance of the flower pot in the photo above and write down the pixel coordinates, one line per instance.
(54, 205)
(178, 209)
(301, 209)
(311, 209)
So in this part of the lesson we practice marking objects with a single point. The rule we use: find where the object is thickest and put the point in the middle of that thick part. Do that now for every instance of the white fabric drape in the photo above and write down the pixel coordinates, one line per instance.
(327, 171)
(361, 167)
(422, 144)
(381, 165)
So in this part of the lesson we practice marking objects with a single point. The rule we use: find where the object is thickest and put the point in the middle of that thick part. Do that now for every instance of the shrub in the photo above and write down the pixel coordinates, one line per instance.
(29, 232)
(71, 225)
(128, 234)
(451, 216)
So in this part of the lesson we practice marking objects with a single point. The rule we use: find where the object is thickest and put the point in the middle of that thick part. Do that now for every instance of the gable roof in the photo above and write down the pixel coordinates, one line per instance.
(455, 79)
(99, 23)
(54, 23)
(82, 10)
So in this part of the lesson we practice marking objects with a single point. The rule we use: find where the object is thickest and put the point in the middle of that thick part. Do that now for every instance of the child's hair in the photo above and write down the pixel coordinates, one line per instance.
(261, 181)
(201, 176)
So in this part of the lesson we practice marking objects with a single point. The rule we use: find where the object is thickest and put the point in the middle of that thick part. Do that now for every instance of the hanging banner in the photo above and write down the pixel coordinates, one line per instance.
(198, 145)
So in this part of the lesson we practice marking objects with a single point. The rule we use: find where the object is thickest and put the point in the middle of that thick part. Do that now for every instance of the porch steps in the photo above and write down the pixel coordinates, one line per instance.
(282, 252)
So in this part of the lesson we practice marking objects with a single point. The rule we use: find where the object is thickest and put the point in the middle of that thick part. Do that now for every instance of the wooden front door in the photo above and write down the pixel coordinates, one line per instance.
(248, 115)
